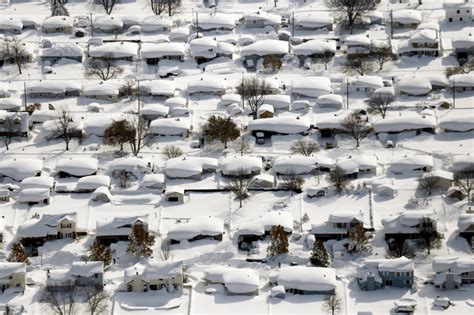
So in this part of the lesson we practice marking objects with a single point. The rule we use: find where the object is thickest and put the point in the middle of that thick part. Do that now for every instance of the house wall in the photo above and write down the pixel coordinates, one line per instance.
(16, 280)
(96, 280)
(454, 15)
(397, 279)
(57, 30)
(171, 196)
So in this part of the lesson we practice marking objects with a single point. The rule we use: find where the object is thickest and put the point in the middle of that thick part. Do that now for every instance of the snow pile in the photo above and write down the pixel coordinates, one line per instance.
(19, 169)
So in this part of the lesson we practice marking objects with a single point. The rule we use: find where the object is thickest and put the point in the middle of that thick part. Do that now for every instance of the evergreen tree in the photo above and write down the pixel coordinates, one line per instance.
(140, 242)
(100, 252)
(58, 8)
(319, 256)
(278, 241)
(18, 254)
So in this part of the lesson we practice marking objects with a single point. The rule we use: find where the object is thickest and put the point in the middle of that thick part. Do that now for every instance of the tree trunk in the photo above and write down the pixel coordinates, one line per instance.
(18, 63)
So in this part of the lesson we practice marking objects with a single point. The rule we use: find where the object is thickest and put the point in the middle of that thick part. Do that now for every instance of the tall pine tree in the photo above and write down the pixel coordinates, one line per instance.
(319, 256)
(58, 8)
(278, 241)
(100, 252)
(18, 254)
(141, 242)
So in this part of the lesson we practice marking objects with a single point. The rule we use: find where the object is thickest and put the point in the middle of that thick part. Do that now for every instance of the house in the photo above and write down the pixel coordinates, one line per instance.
(278, 101)
(20, 127)
(458, 11)
(5, 196)
(338, 226)
(313, 20)
(207, 49)
(443, 179)
(34, 232)
(334, 101)
(58, 24)
(253, 53)
(262, 19)
(215, 22)
(179, 34)
(45, 182)
(154, 276)
(102, 194)
(257, 229)
(158, 88)
(241, 165)
(11, 104)
(357, 45)
(127, 51)
(411, 163)
(104, 90)
(330, 125)
(108, 24)
(190, 167)
(406, 18)
(466, 228)
(279, 126)
(12, 276)
(55, 53)
(19, 169)
(453, 272)
(462, 82)
(297, 164)
(119, 228)
(153, 53)
(10, 25)
(463, 47)
(399, 124)
(153, 181)
(51, 89)
(366, 83)
(307, 280)
(461, 162)
(314, 49)
(311, 87)
(236, 281)
(156, 23)
(378, 273)
(207, 87)
(88, 184)
(408, 224)
(76, 167)
(265, 111)
(174, 194)
(87, 274)
(198, 228)
(33, 196)
(423, 42)
(171, 127)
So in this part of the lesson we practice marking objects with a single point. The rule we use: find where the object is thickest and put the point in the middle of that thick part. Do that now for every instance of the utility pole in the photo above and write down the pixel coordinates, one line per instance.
(24, 95)
(391, 22)
(138, 96)
(92, 26)
(293, 25)
(347, 93)
(197, 24)
(454, 92)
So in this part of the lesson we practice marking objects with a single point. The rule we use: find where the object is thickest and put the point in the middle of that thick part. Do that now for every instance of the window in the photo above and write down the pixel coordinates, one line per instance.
(398, 274)
(458, 11)
(407, 282)
(18, 285)
(96, 275)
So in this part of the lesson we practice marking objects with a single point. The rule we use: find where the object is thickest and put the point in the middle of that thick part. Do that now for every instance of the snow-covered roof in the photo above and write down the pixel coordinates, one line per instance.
(155, 109)
(9, 103)
(462, 80)
(452, 264)
(93, 182)
(367, 81)
(410, 163)
(457, 123)
(404, 123)
(158, 87)
(461, 162)
(45, 225)
(241, 280)
(307, 278)
(78, 166)
(401, 264)
(313, 19)
(62, 50)
(297, 164)
(412, 85)
(150, 180)
(211, 226)
(278, 101)
(54, 87)
(311, 86)
(206, 86)
(463, 42)
(346, 216)
(233, 164)
(170, 126)
(114, 49)
(440, 174)
(9, 268)
(97, 124)
(19, 169)
(101, 193)
(155, 23)
(264, 223)
(283, 125)
(33, 195)
(183, 167)
(265, 47)
(424, 36)
(120, 225)
(108, 22)
(407, 222)
(266, 17)
(407, 16)
(151, 50)
(216, 21)
(10, 23)
(37, 182)
(129, 164)
(162, 270)
(103, 88)
(58, 22)
(357, 40)
(86, 268)
(330, 100)
(265, 108)
(315, 46)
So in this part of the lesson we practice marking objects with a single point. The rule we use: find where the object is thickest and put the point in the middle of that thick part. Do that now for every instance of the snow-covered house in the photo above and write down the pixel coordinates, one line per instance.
(171, 127)
(58, 24)
(422, 42)
(357, 45)
(60, 51)
(268, 47)
(207, 49)
(195, 229)
(87, 274)
(414, 85)
(11, 104)
(174, 194)
(240, 165)
(294, 164)
(307, 280)
(398, 124)
(158, 88)
(206, 87)
(463, 47)
(311, 87)
(458, 11)
(154, 276)
(153, 53)
(338, 226)
(76, 167)
(461, 162)
(462, 82)
(313, 20)
(334, 101)
(284, 125)
(236, 281)
(119, 228)
(190, 167)
(153, 181)
(366, 83)
(378, 273)
(88, 184)
(10, 25)
(406, 18)
(314, 49)
(262, 19)
(444, 179)
(464, 123)
(116, 50)
(466, 227)
(33, 196)
(215, 22)
(411, 163)
(34, 232)
(45, 182)
(20, 121)
(105, 90)
(12, 276)
(19, 169)
(453, 272)
(52, 89)
(408, 224)
(108, 24)
(156, 23)
(154, 111)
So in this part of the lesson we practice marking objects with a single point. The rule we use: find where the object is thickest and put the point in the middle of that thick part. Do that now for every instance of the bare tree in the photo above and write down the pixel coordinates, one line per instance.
(221, 128)
(60, 302)
(325, 58)
(239, 184)
(360, 65)
(65, 126)
(169, 6)
(129, 88)
(337, 177)
(380, 103)
(9, 129)
(351, 10)
(356, 128)
(253, 90)
(105, 68)
(108, 5)
(171, 151)
(58, 8)
(382, 55)
(429, 236)
(464, 179)
(14, 51)
(400, 247)
(428, 182)
(304, 147)
(97, 301)
(292, 181)
(142, 132)
(332, 304)
(165, 250)
(467, 67)
(241, 145)
(118, 133)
